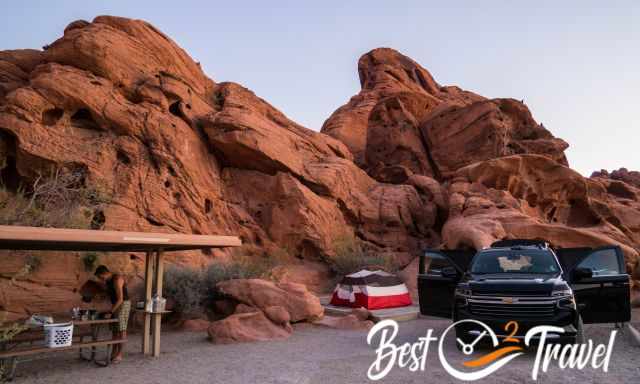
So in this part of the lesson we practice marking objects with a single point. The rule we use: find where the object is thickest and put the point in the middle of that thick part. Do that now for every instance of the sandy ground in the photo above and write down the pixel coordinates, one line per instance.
(311, 355)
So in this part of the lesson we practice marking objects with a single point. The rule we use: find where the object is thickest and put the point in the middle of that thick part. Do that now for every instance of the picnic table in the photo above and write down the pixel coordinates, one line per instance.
(86, 335)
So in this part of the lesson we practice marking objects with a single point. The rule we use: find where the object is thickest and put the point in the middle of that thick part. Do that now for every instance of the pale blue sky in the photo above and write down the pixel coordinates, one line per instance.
(575, 63)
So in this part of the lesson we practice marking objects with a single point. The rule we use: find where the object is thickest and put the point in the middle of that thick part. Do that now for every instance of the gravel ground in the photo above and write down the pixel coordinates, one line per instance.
(311, 355)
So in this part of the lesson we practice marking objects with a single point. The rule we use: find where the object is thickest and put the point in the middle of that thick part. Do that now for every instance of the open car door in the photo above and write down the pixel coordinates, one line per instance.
(438, 274)
(599, 281)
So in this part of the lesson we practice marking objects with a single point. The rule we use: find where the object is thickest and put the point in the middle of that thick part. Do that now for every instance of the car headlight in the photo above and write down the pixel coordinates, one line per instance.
(463, 291)
(567, 302)
(562, 291)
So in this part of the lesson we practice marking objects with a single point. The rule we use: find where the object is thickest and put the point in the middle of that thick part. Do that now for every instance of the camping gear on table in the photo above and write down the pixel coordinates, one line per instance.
(371, 290)
(58, 335)
(158, 304)
(85, 314)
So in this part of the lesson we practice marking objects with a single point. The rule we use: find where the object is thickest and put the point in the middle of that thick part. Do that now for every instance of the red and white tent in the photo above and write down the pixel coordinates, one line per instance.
(372, 290)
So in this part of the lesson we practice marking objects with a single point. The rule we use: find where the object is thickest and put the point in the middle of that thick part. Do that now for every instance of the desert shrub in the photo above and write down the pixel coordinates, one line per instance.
(90, 261)
(60, 199)
(240, 267)
(6, 334)
(191, 289)
(351, 256)
(186, 288)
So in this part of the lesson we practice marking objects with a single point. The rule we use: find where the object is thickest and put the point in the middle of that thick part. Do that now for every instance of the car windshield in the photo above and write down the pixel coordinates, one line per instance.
(515, 261)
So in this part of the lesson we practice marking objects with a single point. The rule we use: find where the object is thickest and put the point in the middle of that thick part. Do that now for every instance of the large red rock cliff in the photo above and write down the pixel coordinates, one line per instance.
(404, 165)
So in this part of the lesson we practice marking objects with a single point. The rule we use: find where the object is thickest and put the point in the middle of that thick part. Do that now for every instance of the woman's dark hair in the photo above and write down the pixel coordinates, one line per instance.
(102, 269)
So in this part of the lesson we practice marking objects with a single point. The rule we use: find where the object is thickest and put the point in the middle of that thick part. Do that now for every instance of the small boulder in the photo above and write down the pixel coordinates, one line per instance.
(245, 327)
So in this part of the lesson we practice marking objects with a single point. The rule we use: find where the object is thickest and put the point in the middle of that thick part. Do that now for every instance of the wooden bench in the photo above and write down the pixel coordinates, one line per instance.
(36, 350)
(10, 350)
(8, 359)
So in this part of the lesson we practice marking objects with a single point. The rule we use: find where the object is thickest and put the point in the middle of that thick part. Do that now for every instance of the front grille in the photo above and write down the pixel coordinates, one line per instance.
(522, 308)
(512, 293)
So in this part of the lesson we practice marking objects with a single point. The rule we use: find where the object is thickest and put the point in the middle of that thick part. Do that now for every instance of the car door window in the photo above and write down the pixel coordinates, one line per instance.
(435, 263)
(603, 262)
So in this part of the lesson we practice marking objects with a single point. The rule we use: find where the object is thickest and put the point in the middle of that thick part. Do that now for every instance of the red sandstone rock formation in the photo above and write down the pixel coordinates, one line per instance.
(298, 302)
(245, 327)
(622, 174)
(404, 165)
(265, 310)
(120, 102)
(402, 117)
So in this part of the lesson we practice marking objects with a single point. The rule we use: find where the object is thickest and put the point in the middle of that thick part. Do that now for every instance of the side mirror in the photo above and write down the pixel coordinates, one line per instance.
(449, 272)
(582, 273)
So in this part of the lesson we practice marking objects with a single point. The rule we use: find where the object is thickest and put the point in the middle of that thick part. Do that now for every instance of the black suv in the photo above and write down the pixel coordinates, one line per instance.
(526, 282)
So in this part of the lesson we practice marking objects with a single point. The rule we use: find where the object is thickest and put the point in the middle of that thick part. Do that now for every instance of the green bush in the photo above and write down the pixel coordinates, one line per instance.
(186, 288)
(351, 256)
(60, 199)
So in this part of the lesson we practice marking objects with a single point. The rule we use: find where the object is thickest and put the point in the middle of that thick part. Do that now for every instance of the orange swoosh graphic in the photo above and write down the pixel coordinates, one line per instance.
(486, 359)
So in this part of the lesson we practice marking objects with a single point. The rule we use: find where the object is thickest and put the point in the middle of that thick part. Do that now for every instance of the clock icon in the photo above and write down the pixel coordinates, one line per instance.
(467, 349)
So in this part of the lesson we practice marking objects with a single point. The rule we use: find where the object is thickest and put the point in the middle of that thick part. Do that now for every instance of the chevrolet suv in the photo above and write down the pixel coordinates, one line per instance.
(526, 282)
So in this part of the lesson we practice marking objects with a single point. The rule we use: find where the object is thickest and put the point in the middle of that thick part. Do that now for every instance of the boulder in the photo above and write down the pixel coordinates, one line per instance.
(245, 327)
(298, 302)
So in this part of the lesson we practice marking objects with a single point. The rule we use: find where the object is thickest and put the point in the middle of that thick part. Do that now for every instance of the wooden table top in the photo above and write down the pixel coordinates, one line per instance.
(63, 321)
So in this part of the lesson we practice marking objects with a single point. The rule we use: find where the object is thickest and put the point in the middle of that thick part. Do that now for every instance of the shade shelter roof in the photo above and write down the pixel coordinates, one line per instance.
(56, 239)
(153, 244)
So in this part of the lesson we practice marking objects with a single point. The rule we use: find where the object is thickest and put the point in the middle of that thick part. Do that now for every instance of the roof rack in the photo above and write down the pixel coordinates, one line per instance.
(520, 242)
